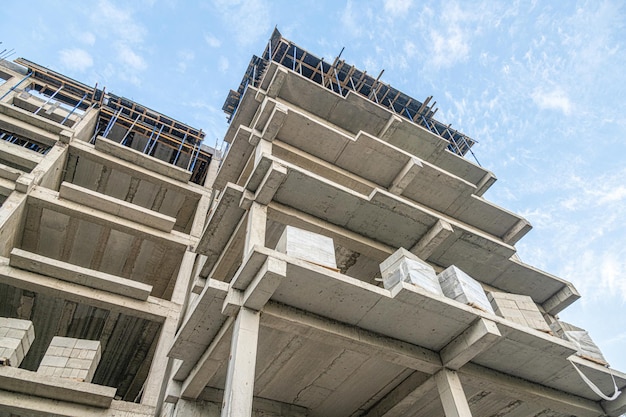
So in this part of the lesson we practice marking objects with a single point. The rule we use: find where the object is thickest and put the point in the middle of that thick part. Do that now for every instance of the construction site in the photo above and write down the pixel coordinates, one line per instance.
(336, 258)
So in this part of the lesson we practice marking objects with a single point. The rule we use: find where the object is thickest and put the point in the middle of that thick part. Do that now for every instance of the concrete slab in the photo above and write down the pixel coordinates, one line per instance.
(153, 309)
(19, 156)
(79, 275)
(60, 389)
(138, 158)
(116, 207)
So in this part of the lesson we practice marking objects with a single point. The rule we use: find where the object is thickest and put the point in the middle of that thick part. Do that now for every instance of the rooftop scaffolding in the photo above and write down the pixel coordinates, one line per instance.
(123, 120)
(342, 78)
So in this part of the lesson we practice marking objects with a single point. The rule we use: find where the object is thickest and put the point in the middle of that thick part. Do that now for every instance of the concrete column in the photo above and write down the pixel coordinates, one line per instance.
(451, 394)
(154, 387)
(255, 227)
(239, 388)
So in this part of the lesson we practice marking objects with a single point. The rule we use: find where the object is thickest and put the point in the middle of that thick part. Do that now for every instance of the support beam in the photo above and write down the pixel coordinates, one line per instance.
(265, 283)
(516, 232)
(489, 380)
(79, 275)
(275, 122)
(277, 82)
(333, 333)
(451, 394)
(477, 338)
(154, 309)
(255, 227)
(432, 239)
(238, 393)
(44, 198)
(60, 389)
(390, 127)
(84, 150)
(119, 208)
(207, 365)
(272, 180)
(405, 176)
(559, 301)
(400, 400)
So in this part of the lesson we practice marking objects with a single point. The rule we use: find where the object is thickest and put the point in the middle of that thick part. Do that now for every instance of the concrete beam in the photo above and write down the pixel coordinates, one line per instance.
(437, 234)
(400, 400)
(277, 82)
(10, 173)
(390, 127)
(255, 227)
(138, 158)
(559, 301)
(480, 336)
(404, 177)
(44, 198)
(116, 207)
(60, 389)
(516, 232)
(264, 284)
(87, 151)
(484, 184)
(207, 366)
(451, 394)
(153, 309)
(270, 183)
(275, 122)
(330, 332)
(79, 275)
(490, 380)
(20, 156)
(340, 235)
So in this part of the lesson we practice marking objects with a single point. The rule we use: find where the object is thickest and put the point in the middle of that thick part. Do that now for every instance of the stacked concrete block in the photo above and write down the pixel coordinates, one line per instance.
(459, 286)
(308, 246)
(67, 357)
(16, 337)
(518, 308)
(404, 266)
(580, 338)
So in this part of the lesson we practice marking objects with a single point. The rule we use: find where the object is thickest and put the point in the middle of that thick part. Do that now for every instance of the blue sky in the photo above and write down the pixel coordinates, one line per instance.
(541, 86)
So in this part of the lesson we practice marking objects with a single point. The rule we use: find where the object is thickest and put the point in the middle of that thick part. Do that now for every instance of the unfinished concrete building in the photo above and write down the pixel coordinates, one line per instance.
(337, 260)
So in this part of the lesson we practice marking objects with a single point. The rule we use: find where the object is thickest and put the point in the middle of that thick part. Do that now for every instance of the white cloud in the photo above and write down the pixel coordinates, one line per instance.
(118, 22)
(130, 58)
(223, 64)
(185, 57)
(212, 41)
(234, 12)
(348, 20)
(398, 7)
(76, 59)
(555, 99)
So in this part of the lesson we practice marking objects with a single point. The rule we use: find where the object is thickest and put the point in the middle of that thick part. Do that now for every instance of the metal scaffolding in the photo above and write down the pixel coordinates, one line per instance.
(343, 78)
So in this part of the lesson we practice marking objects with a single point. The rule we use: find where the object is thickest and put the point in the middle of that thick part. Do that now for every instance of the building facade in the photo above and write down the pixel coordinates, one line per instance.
(338, 259)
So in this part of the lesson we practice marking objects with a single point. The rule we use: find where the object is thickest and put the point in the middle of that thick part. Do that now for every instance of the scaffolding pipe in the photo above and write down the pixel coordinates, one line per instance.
(74, 109)
(156, 139)
(180, 148)
(149, 139)
(191, 156)
(16, 85)
(195, 159)
(129, 129)
(111, 123)
(338, 83)
(48, 101)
